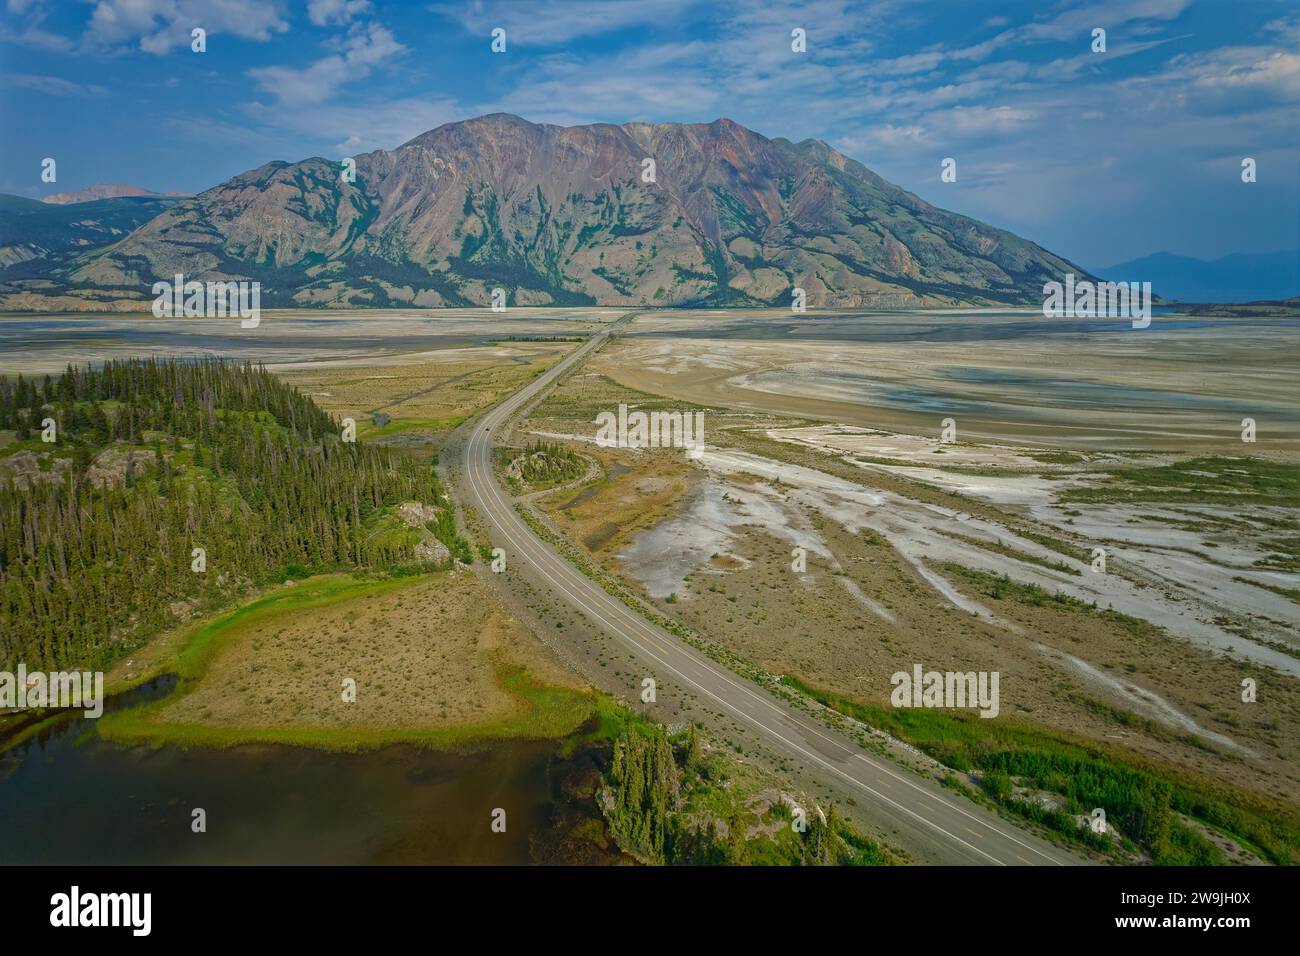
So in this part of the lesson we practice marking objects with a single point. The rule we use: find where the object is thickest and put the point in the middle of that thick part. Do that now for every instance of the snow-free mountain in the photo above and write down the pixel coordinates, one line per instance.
(653, 214)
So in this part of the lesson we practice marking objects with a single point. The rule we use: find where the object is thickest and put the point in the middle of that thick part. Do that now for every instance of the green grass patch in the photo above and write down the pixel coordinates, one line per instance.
(1055, 544)
(1056, 457)
(1000, 587)
(1285, 556)
(1210, 480)
(1143, 801)
(543, 711)
(1292, 594)
(370, 432)
(997, 547)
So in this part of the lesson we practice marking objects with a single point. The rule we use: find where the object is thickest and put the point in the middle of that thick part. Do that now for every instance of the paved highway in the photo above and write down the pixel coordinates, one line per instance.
(933, 823)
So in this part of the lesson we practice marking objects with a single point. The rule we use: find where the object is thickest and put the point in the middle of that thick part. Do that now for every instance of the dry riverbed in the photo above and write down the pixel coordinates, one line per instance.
(971, 556)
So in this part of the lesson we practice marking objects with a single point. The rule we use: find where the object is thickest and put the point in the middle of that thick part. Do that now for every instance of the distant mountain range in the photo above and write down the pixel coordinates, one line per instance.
(553, 215)
(104, 191)
(38, 238)
(1241, 277)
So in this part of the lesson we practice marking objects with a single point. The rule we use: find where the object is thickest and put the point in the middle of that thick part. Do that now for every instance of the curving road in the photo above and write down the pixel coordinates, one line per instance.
(934, 824)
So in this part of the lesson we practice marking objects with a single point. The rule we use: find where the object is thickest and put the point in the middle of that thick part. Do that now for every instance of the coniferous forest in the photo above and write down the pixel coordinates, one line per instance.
(151, 461)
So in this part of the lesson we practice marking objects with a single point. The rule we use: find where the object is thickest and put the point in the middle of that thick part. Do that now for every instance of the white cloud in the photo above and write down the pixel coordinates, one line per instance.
(645, 82)
(53, 85)
(883, 138)
(1237, 76)
(1078, 22)
(555, 22)
(1288, 31)
(326, 12)
(337, 129)
(31, 33)
(1071, 24)
(363, 50)
(159, 26)
(988, 119)
(37, 39)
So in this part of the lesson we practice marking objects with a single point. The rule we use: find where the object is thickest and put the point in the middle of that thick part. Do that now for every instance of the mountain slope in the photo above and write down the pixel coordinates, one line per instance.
(559, 215)
(1241, 277)
(37, 236)
(103, 191)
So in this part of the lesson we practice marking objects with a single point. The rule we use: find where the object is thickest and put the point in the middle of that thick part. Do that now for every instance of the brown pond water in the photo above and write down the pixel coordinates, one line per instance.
(66, 796)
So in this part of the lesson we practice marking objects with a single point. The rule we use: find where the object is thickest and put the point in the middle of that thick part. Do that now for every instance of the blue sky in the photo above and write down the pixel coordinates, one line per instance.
(1101, 157)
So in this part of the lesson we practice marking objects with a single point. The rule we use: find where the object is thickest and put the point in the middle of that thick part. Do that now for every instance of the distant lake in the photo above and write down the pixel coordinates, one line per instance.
(40, 344)
(46, 345)
(887, 327)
